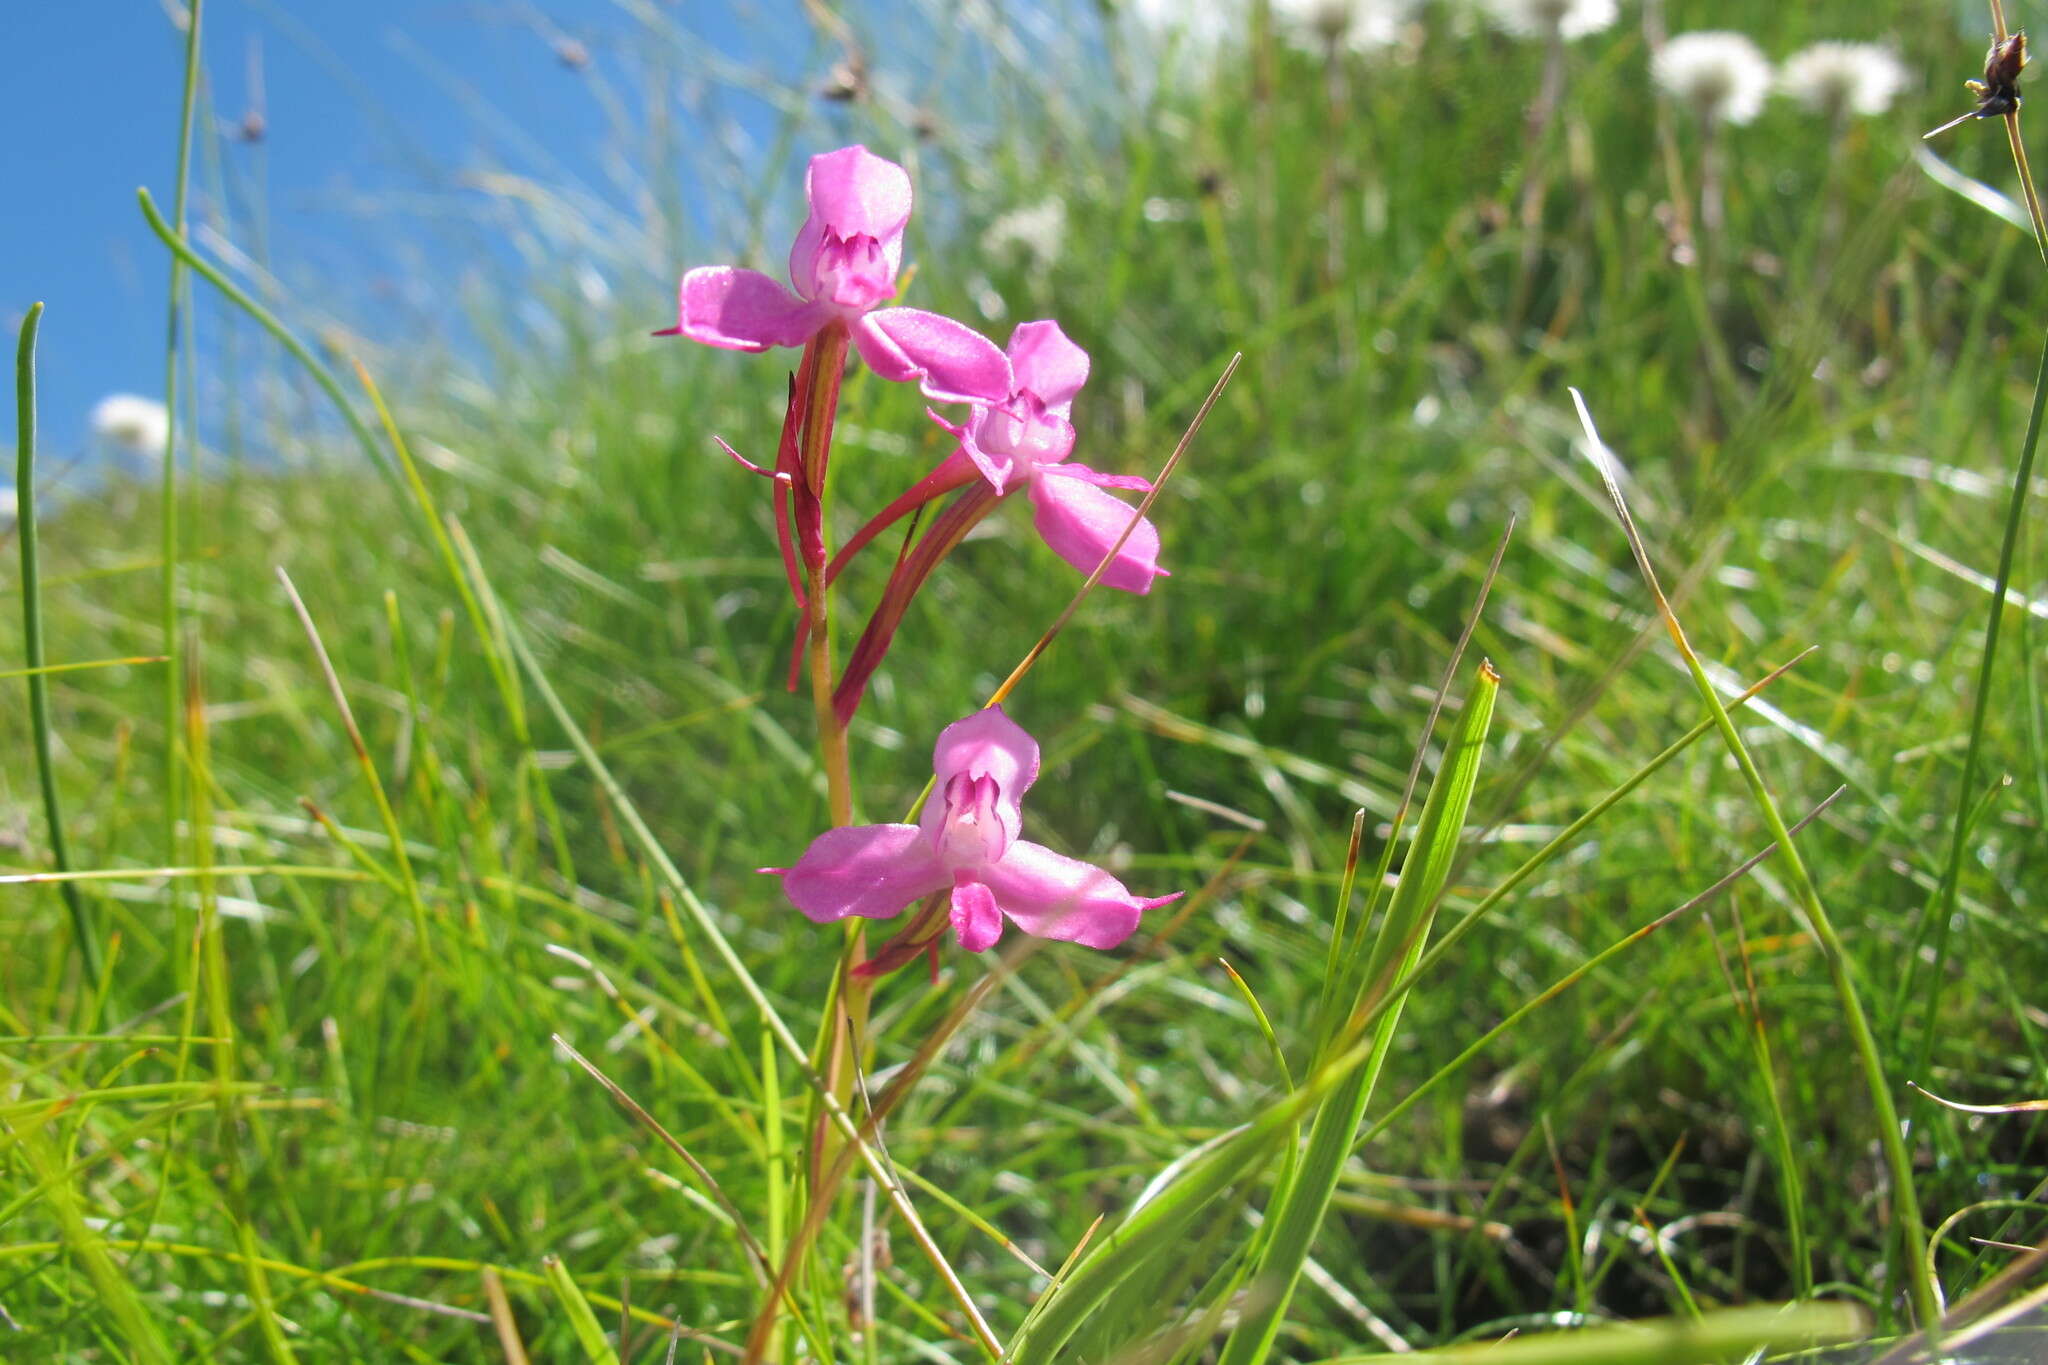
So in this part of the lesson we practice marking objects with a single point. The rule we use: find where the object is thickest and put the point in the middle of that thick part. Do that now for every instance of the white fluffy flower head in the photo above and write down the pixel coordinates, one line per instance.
(1200, 23)
(1723, 76)
(1035, 232)
(1568, 19)
(1361, 25)
(1844, 78)
(132, 423)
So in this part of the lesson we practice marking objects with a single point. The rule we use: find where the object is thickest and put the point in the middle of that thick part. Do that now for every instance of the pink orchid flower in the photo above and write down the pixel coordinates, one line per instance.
(1020, 435)
(966, 842)
(1025, 435)
(843, 264)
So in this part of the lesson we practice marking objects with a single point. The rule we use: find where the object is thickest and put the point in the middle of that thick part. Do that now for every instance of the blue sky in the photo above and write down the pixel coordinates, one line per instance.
(364, 104)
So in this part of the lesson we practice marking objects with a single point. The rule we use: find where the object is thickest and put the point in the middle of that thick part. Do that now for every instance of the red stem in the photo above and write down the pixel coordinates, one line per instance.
(950, 473)
(946, 532)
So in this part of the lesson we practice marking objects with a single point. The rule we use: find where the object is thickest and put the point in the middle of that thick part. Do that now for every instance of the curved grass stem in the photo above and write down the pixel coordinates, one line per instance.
(270, 323)
(1942, 909)
(167, 604)
(1906, 1229)
(32, 636)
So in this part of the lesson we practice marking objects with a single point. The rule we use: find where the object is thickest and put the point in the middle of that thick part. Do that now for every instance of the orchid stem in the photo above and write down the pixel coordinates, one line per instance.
(825, 361)
(818, 383)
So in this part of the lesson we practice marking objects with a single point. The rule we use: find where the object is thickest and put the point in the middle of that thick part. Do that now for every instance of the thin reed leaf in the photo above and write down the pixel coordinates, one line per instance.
(1299, 1207)
(386, 814)
(1272, 1040)
(1144, 507)
(1451, 665)
(1905, 1204)
(343, 1278)
(757, 1257)
(51, 670)
(1703, 1340)
(138, 1330)
(1791, 1181)
(298, 350)
(502, 1322)
(176, 322)
(590, 1335)
(1574, 977)
(1941, 908)
(42, 730)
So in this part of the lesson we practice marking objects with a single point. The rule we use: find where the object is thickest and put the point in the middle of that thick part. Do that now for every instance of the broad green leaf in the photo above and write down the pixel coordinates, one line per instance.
(582, 1317)
(1726, 1335)
(1302, 1203)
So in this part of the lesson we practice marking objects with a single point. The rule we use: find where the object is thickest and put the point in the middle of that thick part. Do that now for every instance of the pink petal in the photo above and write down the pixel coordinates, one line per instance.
(852, 192)
(1069, 470)
(951, 361)
(1048, 364)
(998, 470)
(975, 917)
(851, 274)
(741, 310)
(873, 871)
(1053, 896)
(1081, 522)
(986, 746)
(969, 822)
(1006, 440)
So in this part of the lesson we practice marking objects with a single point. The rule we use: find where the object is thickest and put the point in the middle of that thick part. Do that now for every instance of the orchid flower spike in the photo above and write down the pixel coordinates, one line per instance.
(844, 265)
(966, 843)
(1025, 436)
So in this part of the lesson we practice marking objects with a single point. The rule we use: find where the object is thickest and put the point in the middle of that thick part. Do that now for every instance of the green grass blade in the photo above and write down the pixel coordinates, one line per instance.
(32, 634)
(1344, 976)
(1571, 979)
(1159, 1226)
(1301, 1206)
(264, 318)
(51, 670)
(46, 1165)
(1941, 909)
(167, 600)
(1791, 1188)
(1564, 839)
(386, 814)
(1702, 1340)
(1907, 1228)
(582, 1317)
